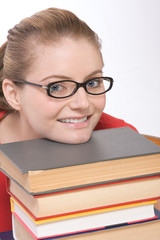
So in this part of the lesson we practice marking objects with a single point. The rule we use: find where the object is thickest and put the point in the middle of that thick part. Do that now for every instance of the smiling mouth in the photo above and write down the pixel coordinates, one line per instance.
(73, 120)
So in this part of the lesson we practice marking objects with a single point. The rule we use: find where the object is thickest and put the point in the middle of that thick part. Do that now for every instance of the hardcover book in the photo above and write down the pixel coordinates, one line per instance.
(141, 230)
(57, 227)
(85, 199)
(42, 165)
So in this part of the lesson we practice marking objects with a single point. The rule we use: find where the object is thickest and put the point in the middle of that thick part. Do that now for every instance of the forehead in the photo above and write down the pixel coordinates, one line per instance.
(67, 56)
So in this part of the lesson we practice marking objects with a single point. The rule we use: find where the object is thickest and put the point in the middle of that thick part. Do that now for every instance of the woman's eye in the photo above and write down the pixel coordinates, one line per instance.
(93, 83)
(55, 88)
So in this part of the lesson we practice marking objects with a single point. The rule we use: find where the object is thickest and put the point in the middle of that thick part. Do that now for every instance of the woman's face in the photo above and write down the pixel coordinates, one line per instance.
(69, 120)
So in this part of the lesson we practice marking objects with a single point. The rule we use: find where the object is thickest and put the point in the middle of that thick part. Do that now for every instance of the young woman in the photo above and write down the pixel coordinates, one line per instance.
(52, 85)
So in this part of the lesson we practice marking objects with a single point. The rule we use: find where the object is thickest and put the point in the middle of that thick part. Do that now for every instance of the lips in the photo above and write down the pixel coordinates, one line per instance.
(73, 120)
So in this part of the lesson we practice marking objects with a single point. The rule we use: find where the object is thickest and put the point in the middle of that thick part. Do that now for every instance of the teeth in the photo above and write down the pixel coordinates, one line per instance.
(70, 120)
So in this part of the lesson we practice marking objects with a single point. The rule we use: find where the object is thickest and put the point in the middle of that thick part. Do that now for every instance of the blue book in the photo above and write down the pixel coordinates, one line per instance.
(6, 236)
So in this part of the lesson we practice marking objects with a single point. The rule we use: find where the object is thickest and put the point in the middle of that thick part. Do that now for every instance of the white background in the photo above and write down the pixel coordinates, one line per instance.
(130, 33)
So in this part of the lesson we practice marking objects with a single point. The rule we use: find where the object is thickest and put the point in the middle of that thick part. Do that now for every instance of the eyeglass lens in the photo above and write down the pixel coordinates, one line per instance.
(67, 88)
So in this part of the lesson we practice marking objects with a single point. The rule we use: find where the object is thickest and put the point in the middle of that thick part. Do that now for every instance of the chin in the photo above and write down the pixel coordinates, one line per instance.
(76, 137)
(79, 139)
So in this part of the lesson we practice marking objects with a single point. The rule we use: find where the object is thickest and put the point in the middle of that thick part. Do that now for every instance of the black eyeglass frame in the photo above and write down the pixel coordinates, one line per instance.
(78, 85)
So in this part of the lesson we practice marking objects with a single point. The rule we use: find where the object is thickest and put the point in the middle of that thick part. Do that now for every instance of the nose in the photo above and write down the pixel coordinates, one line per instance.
(80, 100)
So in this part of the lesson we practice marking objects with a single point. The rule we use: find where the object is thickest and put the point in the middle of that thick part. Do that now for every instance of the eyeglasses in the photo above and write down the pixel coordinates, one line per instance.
(67, 88)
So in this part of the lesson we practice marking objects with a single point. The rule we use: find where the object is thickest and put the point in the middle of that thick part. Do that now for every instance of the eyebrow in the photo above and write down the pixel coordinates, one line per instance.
(66, 77)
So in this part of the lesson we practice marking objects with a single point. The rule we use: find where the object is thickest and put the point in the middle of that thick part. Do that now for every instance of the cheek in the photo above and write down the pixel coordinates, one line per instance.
(100, 103)
(45, 111)
(36, 104)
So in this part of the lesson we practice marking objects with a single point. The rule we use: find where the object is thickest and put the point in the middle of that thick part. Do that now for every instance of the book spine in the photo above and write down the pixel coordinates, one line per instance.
(26, 227)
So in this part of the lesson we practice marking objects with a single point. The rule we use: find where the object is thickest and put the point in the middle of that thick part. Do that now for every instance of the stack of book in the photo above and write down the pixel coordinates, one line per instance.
(105, 188)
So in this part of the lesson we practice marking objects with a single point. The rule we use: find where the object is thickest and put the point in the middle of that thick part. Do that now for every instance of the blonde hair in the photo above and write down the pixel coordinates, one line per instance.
(46, 26)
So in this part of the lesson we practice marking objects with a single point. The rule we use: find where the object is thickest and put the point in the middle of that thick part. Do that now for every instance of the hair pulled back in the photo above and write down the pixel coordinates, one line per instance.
(47, 26)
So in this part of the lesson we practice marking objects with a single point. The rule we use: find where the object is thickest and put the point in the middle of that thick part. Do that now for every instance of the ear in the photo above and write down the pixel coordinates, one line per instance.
(11, 94)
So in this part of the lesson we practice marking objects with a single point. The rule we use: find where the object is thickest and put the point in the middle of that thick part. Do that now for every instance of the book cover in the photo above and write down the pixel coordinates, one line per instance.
(43, 154)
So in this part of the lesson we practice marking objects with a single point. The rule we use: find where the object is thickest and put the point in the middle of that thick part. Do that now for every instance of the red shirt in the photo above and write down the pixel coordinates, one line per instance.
(5, 212)
(106, 121)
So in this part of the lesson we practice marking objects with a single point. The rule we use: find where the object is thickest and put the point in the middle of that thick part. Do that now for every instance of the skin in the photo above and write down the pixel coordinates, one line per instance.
(39, 115)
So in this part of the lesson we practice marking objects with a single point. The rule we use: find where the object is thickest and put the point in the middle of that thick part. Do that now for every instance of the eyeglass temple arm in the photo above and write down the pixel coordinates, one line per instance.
(33, 84)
